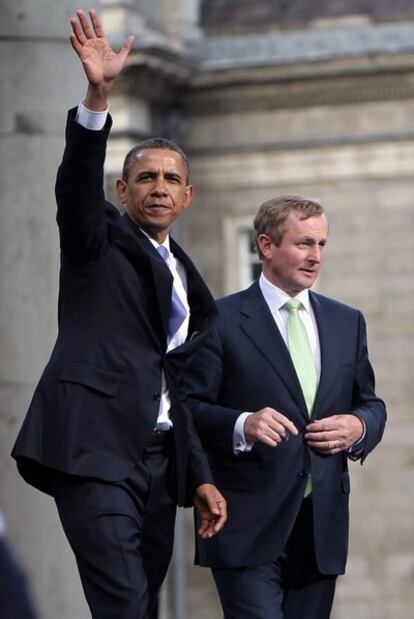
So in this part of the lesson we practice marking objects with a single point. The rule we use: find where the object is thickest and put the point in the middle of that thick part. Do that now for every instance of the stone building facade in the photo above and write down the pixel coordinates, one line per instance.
(266, 97)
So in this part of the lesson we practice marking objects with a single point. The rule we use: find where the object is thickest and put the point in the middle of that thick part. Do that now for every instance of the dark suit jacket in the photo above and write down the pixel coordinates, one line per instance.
(244, 366)
(96, 404)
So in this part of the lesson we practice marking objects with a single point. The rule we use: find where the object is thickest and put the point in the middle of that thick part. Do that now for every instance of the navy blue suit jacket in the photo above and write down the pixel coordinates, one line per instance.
(97, 401)
(244, 365)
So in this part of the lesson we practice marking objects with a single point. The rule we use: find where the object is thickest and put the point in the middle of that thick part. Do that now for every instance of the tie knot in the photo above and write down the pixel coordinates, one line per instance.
(293, 304)
(163, 252)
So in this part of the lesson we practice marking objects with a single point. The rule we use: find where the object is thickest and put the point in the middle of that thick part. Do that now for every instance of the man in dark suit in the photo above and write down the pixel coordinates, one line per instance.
(106, 433)
(282, 395)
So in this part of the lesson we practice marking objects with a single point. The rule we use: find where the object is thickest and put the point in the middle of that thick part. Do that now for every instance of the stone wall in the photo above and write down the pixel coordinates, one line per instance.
(40, 79)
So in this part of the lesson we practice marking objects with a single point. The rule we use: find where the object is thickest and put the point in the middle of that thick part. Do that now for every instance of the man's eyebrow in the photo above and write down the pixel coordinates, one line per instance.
(153, 172)
(173, 173)
(311, 239)
(149, 171)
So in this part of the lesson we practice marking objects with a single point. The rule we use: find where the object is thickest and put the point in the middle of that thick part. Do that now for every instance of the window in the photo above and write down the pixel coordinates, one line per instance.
(243, 265)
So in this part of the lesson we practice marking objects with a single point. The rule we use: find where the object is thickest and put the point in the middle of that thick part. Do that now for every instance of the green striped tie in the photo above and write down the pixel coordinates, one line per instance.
(302, 357)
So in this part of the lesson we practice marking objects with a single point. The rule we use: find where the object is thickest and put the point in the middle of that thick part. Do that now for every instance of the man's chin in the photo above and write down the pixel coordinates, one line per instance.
(306, 282)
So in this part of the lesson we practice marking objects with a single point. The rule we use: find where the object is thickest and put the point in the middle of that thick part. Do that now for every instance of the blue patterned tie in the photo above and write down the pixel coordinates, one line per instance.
(178, 311)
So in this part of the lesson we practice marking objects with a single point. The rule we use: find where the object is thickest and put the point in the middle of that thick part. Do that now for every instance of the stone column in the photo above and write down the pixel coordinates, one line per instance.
(40, 79)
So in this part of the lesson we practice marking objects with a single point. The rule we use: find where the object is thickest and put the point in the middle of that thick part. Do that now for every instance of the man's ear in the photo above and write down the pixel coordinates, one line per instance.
(189, 191)
(121, 190)
(265, 243)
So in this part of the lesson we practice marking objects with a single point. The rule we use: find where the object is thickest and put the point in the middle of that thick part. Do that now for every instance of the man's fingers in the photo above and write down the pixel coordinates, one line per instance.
(285, 424)
(277, 431)
(87, 30)
(212, 508)
(211, 523)
(127, 46)
(77, 30)
(322, 425)
(321, 436)
(96, 23)
(268, 426)
(75, 43)
(82, 29)
(328, 447)
(208, 528)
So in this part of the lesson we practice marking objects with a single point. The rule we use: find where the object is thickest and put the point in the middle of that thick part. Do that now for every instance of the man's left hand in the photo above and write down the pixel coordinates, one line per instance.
(212, 508)
(334, 434)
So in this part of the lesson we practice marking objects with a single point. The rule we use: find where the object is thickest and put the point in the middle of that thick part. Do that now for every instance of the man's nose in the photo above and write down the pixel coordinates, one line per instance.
(159, 188)
(315, 254)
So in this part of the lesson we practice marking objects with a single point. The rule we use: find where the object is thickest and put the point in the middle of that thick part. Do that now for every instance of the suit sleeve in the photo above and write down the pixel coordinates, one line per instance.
(202, 388)
(81, 214)
(199, 471)
(367, 405)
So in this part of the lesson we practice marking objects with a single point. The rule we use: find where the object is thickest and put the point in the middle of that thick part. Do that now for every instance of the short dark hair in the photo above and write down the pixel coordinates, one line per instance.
(272, 215)
(150, 143)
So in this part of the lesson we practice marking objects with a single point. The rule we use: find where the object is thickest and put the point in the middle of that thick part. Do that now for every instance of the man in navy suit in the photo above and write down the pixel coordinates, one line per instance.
(278, 446)
(106, 434)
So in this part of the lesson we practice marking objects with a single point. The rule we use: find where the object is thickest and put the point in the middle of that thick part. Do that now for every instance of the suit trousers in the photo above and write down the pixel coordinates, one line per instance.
(122, 535)
(291, 587)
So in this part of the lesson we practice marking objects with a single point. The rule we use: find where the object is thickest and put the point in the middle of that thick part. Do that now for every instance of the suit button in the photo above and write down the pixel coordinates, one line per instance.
(303, 474)
(156, 396)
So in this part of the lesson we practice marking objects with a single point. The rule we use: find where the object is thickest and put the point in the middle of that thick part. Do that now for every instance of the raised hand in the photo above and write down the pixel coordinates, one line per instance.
(101, 64)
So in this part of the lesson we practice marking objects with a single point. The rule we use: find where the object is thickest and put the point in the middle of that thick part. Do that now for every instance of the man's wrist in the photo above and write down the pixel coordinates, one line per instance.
(97, 97)
(355, 451)
(364, 431)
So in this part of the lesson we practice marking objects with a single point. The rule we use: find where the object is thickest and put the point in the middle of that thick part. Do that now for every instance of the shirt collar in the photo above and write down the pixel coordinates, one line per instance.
(165, 243)
(276, 298)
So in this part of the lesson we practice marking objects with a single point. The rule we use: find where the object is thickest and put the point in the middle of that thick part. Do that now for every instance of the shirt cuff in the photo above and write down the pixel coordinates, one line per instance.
(239, 440)
(354, 449)
(90, 119)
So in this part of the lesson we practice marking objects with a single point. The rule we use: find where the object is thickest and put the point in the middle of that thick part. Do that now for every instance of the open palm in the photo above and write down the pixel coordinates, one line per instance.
(101, 64)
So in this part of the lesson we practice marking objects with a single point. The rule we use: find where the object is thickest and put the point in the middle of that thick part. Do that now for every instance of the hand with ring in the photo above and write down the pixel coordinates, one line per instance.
(334, 434)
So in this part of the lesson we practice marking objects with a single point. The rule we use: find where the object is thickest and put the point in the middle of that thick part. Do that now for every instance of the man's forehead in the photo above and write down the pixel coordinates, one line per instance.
(296, 217)
(315, 224)
(158, 157)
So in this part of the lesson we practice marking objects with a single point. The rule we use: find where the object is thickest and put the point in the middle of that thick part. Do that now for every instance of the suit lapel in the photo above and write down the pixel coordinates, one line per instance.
(259, 326)
(134, 243)
(163, 281)
(328, 341)
(126, 235)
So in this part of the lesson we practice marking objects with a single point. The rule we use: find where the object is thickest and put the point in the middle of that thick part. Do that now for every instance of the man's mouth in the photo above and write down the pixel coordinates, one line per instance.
(159, 206)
